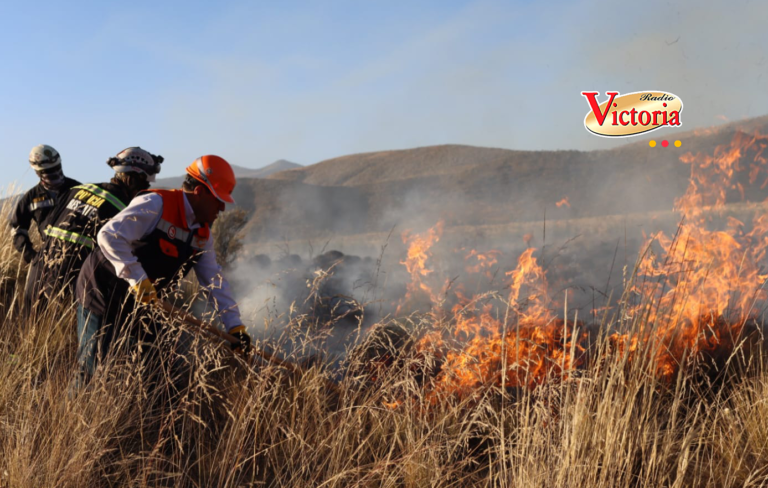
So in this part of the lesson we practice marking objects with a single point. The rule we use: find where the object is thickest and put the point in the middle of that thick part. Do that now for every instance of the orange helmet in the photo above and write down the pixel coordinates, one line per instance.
(216, 174)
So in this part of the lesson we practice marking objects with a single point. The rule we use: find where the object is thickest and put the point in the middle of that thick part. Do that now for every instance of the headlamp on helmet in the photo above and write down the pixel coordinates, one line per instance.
(137, 160)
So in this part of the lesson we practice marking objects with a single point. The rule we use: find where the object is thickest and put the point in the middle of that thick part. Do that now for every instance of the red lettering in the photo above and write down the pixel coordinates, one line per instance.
(655, 117)
(674, 118)
(614, 118)
(592, 100)
(634, 112)
(621, 117)
(647, 118)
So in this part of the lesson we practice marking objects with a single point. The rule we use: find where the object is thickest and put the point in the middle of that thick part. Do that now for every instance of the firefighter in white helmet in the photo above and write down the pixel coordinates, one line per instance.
(37, 204)
(71, 230)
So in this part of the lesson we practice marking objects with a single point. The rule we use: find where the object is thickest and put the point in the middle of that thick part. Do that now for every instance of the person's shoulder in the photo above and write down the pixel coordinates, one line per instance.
(34, 192)
(161, 191)
(118, 191)
(147, 199)
(153, 194)
(70, 186)
(107, 185)
(70, 182)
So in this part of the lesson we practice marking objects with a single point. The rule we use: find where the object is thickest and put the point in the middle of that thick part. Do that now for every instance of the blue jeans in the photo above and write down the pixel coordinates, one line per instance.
(88, 326)
(94, 340)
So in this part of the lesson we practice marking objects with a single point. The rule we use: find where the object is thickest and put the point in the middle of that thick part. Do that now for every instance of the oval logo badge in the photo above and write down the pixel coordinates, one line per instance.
(631, 114)
(172, 232)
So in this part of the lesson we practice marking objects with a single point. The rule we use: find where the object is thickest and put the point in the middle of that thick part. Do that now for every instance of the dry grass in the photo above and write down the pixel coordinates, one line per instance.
(231, 425)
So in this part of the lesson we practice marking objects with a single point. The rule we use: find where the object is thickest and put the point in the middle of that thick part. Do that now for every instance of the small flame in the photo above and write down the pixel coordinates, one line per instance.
(483, 262)
(562, 202)
(392, 405)
(419, 252)
(527, 239)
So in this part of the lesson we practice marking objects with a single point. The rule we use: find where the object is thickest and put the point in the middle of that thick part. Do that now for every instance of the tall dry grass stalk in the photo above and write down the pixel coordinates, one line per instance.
(190, 415)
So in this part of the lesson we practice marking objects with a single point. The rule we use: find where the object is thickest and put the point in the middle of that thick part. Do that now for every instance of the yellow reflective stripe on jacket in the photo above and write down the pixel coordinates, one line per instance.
(72, 237)
(103, 194)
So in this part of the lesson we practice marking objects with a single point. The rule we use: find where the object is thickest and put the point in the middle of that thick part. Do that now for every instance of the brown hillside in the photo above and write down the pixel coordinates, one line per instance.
(378, 167)
(470, 186)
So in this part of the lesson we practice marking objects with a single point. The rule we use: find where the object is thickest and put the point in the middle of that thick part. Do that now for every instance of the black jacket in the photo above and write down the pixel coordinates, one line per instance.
(37, 206)
(71, 230)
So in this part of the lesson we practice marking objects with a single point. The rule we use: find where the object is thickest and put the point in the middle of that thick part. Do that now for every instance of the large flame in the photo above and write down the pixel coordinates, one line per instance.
(692, 291)
(700, 290)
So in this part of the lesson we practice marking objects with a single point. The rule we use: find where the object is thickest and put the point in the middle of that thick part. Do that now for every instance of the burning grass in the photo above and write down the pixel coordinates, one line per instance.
(665, 385)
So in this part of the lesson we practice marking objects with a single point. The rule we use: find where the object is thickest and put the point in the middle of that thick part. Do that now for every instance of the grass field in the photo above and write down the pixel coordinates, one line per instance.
(611, 421)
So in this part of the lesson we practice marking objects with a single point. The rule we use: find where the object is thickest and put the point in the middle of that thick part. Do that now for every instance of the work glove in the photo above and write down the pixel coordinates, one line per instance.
(244, 345)
(145, 291)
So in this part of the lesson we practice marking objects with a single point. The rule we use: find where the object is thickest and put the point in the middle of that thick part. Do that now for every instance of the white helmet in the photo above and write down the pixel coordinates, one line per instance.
(136, 159)
(44, 158)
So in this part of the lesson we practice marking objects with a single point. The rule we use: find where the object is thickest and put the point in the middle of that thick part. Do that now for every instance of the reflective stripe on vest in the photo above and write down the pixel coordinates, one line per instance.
(173, 231)
(103, 194)
(41, 204)
(67, 236)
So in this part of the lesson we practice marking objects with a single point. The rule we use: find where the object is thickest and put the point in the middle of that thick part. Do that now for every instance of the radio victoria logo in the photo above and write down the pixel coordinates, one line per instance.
(632, 114)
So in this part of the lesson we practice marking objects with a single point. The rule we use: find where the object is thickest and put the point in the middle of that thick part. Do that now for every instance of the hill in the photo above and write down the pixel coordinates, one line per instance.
(378, 167)
(475, 186)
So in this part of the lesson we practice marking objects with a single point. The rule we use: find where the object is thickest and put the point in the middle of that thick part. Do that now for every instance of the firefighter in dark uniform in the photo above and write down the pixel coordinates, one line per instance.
(71, 230)
(160, 236)
(38, 203)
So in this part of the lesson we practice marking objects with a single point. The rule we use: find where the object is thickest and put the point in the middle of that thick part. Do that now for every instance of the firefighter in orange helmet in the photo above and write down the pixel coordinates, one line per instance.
(159, 236)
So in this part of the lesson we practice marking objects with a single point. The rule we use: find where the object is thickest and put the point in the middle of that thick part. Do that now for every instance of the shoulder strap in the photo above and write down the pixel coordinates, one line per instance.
(100, 192)
(173, 207)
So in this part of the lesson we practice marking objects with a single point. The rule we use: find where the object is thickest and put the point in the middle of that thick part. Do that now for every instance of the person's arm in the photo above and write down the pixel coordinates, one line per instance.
(21, 220)
(220, 296)
(135, 221)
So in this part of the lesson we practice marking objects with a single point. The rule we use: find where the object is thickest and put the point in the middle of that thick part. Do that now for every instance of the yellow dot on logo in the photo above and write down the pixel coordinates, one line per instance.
(652, 143)
(678, 143)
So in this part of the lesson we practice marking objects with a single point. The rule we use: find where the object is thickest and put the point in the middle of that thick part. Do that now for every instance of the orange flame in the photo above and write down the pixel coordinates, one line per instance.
(562, 202)
(419, 253)
(702, 275)
(483, 262)
(693, 296)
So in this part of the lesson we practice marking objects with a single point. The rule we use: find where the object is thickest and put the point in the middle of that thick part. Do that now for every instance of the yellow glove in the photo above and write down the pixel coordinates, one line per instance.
(145, 291)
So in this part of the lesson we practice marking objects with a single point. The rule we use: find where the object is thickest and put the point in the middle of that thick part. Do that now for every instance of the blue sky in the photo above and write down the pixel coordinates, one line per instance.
(305, 81)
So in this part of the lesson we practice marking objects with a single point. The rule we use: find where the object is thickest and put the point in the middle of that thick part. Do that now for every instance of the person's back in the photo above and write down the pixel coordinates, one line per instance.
(71, 231)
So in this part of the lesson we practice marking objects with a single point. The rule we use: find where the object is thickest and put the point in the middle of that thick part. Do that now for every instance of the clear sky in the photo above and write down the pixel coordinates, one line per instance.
(305, 81)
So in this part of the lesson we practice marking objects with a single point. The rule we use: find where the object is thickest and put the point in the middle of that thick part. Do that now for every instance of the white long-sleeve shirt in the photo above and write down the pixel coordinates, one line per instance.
(137, 221)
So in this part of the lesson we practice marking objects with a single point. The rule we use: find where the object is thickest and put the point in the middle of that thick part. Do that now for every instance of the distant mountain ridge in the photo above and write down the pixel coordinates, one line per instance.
(240, 172)
(477, 186)
(442, 160)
